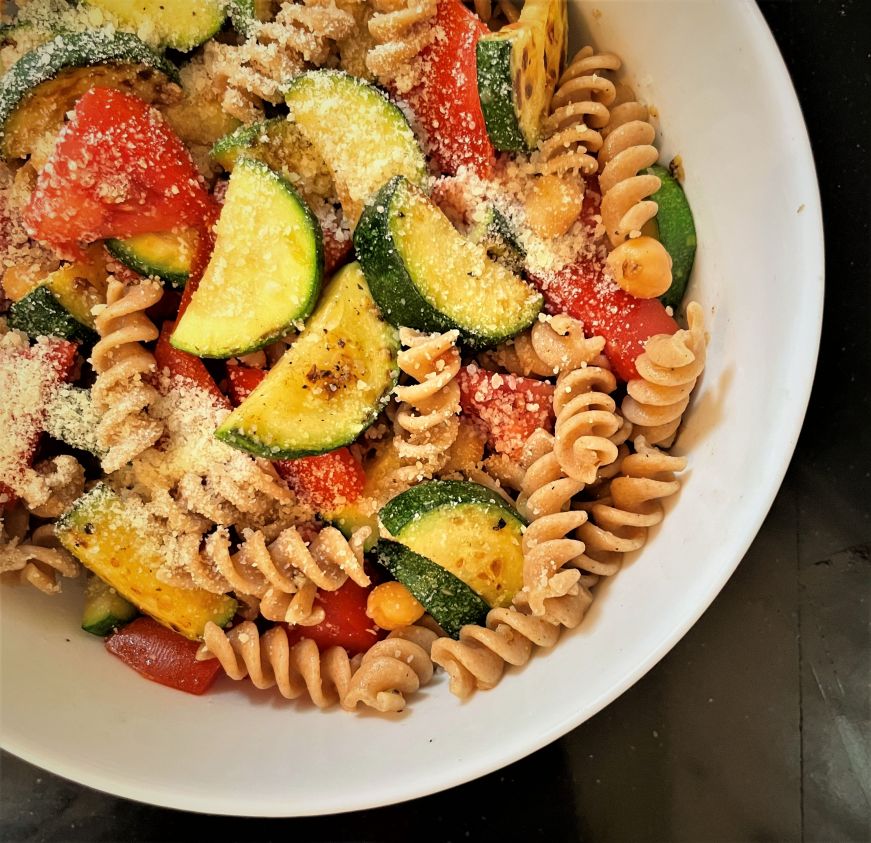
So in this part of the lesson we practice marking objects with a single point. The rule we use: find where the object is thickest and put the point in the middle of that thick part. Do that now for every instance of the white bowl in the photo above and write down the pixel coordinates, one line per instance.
(727, 106)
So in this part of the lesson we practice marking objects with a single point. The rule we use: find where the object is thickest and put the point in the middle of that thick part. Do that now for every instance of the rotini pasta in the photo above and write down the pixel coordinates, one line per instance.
(586, 422)
(400, 29)
(553, 345)
(667, 373)
(269, 661)
(427, 415)
(52, 485)
(391, 669)
(578, 111)
(37, 559)
(121, 394)
(618, 523)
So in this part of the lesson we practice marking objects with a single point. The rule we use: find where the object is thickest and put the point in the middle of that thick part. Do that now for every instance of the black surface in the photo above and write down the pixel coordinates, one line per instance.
(756, 726)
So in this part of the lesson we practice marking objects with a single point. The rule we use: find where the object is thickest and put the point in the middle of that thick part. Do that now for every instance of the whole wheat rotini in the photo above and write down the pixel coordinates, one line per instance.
(37, 559)
(400, 29)
(121, 393)
(269, 660)
(667, 373)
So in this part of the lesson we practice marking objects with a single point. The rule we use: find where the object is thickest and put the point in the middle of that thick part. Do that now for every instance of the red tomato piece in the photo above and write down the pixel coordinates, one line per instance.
(346, 623)
(29, 375)
(184, 366)
(163, 656)
(335, 251)
(117, 170)
(582, 290)
(510, 407)
(326, 481)
(446, 100)
(203, 254)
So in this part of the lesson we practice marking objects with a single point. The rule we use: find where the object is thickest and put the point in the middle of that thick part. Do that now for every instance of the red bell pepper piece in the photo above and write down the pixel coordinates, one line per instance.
(345, 624)
(581, 290)
(445, 101)
(325, 481)
(28, 377)
(184, 366)
(509, 407)
(163, 656)
(117, 170)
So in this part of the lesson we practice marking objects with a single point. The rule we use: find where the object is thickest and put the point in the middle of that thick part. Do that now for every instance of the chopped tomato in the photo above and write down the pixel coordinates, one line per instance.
(163, 656)
(345, 624)
(509, 407)
(184, 366)
(326, 481)
(116, 170)
(446, 100)
(582, 290)
(335, 251)
(30, 375)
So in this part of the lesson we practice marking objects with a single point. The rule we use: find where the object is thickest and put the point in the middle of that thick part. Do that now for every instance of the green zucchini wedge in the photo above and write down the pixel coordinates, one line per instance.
(105, 610)
(447, 598)
(329, 386)
(280, 145)
(61, 304)
(44, 84)
(518, 68)
(116, 540)
(424, 274)
(497, 235)
(180, 24)
(167, 255)
(676, 230)
(467, 529)
(71, 417)
(361, 135)
(265, 272)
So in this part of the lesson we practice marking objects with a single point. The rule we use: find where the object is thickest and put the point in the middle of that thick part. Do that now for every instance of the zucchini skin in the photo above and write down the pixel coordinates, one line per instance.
(436, 494)
(82, 49)
(676, 231)
(389, 282)
(132, 259)
(495, 92)
(447, 598)
(39, 313)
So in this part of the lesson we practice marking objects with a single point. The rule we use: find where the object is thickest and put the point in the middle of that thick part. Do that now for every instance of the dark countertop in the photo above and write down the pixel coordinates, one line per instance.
(757, 725)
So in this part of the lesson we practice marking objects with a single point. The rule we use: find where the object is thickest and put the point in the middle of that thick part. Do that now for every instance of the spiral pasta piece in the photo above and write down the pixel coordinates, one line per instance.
(667, 373)
(284, 575)
(38, 560)
(120, 392)
(52, 485)
(259, 70)
(579, 108)
(618, 523)
(269, 661)
(554, 344)
(427, 417)
(391, 669)
(400, 29)
(586, 422)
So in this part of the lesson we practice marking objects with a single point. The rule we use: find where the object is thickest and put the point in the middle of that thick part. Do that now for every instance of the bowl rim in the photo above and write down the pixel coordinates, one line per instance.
(51, 759)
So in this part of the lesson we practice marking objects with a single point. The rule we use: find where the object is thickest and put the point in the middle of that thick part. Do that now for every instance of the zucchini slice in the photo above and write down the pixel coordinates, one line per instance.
(121, 545)
(424, 274)
(180, 24)
(60, 305)
(42, 86)
(72, 418)
(676, 230)
(447, 598)
(167, 256)
(280, 145)
(467, 529)
(497, 235)
(265, 272)
(105, 610)
(329, 386)
(518, 68)
(362, 136)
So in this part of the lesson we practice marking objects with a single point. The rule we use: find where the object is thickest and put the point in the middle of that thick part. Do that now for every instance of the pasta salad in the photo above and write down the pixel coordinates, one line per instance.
(342, 340)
